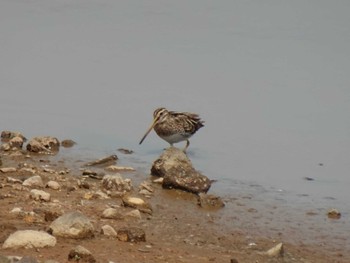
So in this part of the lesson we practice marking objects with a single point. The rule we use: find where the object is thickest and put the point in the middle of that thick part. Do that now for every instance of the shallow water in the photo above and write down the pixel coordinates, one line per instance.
(269, 78)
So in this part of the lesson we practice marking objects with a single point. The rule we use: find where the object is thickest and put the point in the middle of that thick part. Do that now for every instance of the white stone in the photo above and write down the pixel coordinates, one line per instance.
(34, 181)
(39, 195)
(107, 230)
(53, 185)
(29, 239)
(277, 250)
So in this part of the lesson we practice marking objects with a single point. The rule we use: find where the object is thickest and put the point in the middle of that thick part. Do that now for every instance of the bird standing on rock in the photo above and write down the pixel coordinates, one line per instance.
(173, 126)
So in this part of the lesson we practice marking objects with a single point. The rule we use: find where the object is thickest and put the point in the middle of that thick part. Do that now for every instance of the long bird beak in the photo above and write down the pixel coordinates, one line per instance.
(148, 131)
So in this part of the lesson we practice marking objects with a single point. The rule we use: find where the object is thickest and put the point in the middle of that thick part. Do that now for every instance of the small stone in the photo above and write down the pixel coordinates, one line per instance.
(131, 234)
(334, 214)
(89, 172)
(44, 144)
(107, 230)
(134, 214)
(16, 142)
(111, 213)
(158, 180)
(115, 168)
(29, 239)
(5, 147)
(53, 185)
(39, 195)
(125, 151)
(13, 180)
(210, 201)
(81, 254)
(68, 143)
(277, 250)
(8, 169)
(116, 183)
(28, 259)
(34, 181)
(138, 203)
(72, 225)
(7, 135)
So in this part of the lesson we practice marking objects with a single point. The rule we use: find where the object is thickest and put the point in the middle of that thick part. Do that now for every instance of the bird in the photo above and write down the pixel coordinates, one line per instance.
(173, 126)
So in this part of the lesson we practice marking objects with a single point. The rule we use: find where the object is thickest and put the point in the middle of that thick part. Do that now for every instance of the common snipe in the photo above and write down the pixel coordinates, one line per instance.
(174, 126)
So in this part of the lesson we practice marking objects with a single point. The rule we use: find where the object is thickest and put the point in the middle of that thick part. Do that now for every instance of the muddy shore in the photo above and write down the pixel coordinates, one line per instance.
(177, 230)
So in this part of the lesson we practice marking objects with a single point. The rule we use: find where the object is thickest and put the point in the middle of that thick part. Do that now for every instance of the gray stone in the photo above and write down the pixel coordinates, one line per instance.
(29, 239)
(116, 183)
(34, 181)
(112, 213)
(72, 225)
(44, 144)
(81, 254)
(177, 170)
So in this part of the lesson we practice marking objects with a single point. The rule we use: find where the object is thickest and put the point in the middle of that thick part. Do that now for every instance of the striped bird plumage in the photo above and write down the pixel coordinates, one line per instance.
(173, 126)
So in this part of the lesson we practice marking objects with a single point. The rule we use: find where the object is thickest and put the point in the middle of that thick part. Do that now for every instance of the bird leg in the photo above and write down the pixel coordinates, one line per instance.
(187, 144)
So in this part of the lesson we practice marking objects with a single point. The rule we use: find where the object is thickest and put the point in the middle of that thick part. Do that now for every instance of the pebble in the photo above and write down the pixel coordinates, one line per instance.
(53, 185)
(40, 195)
(107, 230)
(34, 181)
(8, 169)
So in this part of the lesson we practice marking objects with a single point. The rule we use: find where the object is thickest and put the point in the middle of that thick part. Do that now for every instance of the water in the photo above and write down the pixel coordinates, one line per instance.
(270, 79)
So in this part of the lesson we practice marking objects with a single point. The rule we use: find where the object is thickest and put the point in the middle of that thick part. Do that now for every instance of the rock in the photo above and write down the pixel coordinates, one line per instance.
(177, 170)
(7, 135)
(115, 168)
(81, 254)
(334, 214)
(134, 214)
(40, 195)
(116, 183)
(125, 151)
(8, 169)
(210, 201)
(138, 203)
(131, 234)
(28, 259)
(13, 180)
(107, 230)
(34, 181)
(53, 185)
(5, 147)
(4, 259)
(29, 239)
(16, 142)
(72, 225)
(103, 161)
(111, 213)
(44, 144)
(277, 250)
(68, 143)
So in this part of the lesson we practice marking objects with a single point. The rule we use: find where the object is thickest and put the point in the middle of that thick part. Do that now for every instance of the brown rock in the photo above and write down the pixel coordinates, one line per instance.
(44, 144)
(131, 234)
(179, 173)
(210, 201)
(81, 254)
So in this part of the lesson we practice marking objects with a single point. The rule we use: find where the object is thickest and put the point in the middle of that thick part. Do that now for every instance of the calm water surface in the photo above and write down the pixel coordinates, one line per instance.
(270, 78)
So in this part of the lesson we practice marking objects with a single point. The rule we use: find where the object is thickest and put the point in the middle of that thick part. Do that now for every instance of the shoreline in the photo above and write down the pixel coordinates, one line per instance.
(177, 231)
